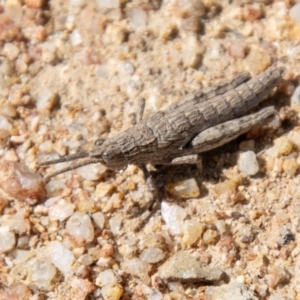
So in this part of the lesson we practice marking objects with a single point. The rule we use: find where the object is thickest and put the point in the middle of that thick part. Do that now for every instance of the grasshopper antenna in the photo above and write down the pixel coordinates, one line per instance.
(64, 159)
(69, 158)
(73, 167)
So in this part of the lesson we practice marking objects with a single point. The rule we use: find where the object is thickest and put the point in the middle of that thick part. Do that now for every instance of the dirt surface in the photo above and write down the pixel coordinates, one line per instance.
(72, 72)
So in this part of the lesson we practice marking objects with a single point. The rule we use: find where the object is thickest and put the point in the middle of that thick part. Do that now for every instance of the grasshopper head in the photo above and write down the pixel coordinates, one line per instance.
(109, 154)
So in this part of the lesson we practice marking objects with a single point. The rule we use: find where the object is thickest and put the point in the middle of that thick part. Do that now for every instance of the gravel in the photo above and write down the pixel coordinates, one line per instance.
(72, 72)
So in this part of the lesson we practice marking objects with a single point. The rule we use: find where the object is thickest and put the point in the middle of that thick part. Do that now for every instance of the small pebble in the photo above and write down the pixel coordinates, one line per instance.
(49, 53)
(35, 124)
(5, 124)
(227, 186)
(99, 219)
(59, 209)
(184, 189)
(272, 153)
(20, 183)
(237, 49)
(61, 257)
(290, 166)
(173, 215)
(83, 272)
(127, 250)
(294, 136)
(46, 146)
(103, 189)
(107, 250)
(192, 24)
(59, 147)
(16, 291)
(192, 52)
(9, 31)
(192, 230)
(138, 268)
(137, 17)
(152, 255)
(7, 67)
(115, 224)
(112, 291)
(184, 267)
(80, 227)
(135, 85)
(234, 175)
(81, 287)
(221, 226)
(106, 277)
(7, 239)
(252, 12)
(78, 251)
(46, 101)
(18, 139)
(85, 259)
(260, 261)
(156, 101)
(92, 172)
(128, 67)
(8, 110)
(258, 60)
(155, 295)
(247, 163)
(17, 222)
(76, 38)
(21, 66)
(210, 236)
(168, 32)
(295, 13)
(245, 234)
(278, 276)
(10, 51)
(70, 20)
(41, 272)
(234, 290)
(283, 145)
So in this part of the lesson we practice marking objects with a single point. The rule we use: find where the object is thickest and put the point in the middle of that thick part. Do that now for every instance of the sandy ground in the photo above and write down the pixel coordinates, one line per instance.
(72, 72)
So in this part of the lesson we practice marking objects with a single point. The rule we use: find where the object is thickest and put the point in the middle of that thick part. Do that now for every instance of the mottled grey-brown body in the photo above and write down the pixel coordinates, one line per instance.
(197, 123)
(169, 134)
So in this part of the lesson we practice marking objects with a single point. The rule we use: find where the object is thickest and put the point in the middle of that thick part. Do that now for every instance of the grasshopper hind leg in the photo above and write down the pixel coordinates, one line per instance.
(223, 133)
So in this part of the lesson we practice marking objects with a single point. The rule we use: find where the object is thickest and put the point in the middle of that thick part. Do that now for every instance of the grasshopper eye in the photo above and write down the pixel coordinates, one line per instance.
(105, 155)
(99, 142)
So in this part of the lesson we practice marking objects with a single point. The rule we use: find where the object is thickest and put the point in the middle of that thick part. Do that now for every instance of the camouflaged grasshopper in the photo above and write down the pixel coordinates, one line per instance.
(197, 123)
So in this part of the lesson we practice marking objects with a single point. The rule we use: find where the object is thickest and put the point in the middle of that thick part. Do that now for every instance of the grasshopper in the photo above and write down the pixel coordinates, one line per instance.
(196, 123)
